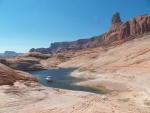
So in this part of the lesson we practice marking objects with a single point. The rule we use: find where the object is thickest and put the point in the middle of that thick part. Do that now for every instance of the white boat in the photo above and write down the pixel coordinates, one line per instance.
(49, 78)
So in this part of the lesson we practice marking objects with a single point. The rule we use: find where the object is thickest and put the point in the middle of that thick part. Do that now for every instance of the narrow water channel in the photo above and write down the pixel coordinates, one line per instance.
(61, 79)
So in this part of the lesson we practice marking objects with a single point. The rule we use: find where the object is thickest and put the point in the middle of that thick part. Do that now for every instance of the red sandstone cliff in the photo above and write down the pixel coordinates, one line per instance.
(125, 30)
(119, 31)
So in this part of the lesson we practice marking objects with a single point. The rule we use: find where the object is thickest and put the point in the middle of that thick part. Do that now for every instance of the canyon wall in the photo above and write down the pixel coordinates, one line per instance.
(119, 31)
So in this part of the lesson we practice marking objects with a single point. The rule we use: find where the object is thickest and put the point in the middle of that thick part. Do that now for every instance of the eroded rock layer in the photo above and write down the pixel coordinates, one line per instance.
(119, 31)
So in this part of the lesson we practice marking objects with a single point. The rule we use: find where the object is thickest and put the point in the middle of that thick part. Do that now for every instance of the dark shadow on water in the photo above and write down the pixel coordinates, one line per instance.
(61, 79)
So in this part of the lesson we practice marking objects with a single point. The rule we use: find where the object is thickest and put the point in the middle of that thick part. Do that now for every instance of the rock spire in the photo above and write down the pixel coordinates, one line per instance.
(115, 18)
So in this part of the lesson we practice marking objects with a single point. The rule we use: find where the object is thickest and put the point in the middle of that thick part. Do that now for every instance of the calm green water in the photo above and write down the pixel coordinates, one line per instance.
(61, 79)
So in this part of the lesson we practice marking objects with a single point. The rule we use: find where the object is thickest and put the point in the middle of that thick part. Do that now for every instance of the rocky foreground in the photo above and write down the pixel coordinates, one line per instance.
(123, 70)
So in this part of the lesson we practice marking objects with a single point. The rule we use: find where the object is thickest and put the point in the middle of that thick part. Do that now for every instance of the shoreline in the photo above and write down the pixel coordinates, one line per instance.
(69, 85)
(123, 87)
(124, 98)
(35, 98)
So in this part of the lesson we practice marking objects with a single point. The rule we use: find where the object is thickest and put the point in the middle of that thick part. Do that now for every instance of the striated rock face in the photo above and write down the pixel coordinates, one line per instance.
(122, 31)
(135, 26)
(74, 45)
(119, 32)
(41, 50)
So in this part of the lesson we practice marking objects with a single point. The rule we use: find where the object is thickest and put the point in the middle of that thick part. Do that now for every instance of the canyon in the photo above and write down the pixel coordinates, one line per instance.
(117, 61)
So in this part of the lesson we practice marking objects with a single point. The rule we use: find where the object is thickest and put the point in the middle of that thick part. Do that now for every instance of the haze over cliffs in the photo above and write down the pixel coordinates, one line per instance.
(118, 33)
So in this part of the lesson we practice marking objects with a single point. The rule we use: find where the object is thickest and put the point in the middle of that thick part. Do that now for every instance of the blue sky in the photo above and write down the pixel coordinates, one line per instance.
(26, 24)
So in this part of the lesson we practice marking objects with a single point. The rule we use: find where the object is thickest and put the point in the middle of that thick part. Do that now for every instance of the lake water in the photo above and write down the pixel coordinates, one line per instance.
(61, 79)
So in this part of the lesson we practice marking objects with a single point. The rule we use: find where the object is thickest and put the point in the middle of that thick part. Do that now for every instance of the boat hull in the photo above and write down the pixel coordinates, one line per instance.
(49, 79)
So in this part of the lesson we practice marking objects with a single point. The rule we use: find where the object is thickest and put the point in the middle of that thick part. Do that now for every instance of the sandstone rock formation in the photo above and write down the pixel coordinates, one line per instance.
(9, 76)
(123, 31)
(135, 26)
(28, 61)
(117, 34)
(41, 50)
(34, 55)
(116, 18)
(119, 31)
(22, 63)
(74, 45)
